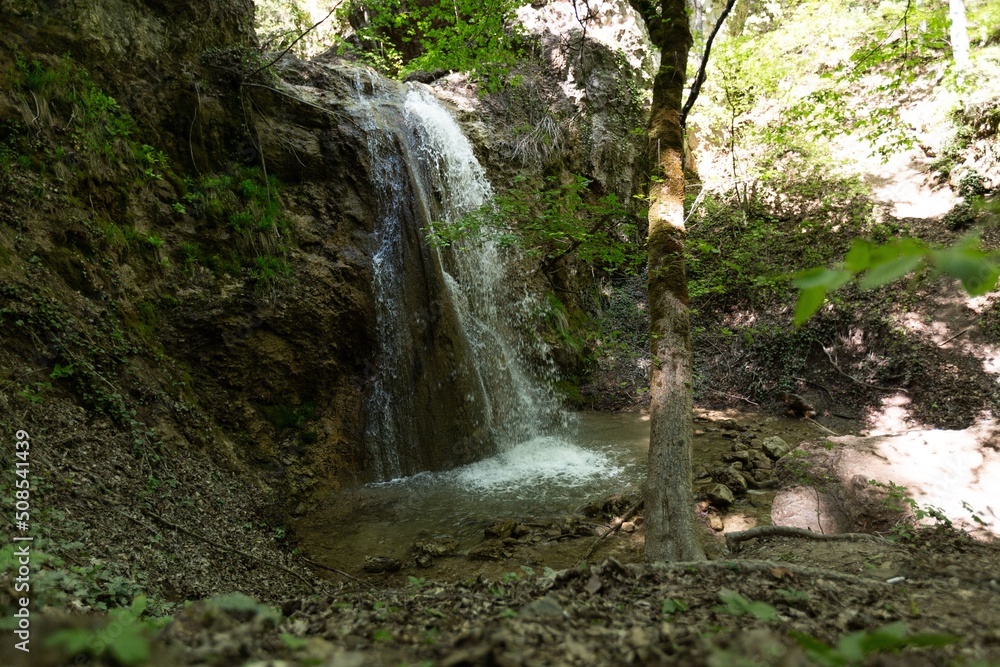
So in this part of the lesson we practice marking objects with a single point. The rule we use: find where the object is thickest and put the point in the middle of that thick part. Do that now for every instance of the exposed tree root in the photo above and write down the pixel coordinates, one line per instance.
(774, 568)
(733, 539)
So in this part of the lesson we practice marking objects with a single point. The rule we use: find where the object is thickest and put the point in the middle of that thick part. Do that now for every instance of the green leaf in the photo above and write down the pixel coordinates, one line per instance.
(888, 270)
(74, 641)
(977, 271)
(131, 648)
(809, 302)
(139, 605)
(829, 279)
(762, 610)
(858, 258)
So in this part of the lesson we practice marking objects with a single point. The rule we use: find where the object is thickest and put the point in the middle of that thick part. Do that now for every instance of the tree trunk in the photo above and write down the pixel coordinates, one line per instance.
(959, 33)
(671, 532)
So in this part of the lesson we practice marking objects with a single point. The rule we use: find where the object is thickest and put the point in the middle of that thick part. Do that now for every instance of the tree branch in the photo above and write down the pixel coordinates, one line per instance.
(647, 10)
(297, 40)
(700, 79)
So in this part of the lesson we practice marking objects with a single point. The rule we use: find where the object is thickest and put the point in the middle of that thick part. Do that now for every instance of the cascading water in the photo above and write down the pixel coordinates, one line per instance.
(453, 382)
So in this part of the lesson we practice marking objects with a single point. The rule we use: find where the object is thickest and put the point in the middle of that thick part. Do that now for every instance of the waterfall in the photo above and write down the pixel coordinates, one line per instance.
(454, 380)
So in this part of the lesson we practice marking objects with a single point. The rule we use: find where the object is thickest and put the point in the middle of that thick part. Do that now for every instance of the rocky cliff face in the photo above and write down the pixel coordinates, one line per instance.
(183, 333)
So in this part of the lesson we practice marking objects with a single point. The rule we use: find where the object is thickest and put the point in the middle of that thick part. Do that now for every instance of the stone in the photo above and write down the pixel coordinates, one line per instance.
(730, 477)
(720, 496)
(493, 550)
(500, 529)
(738, 456)
(628, 527)
(381, 564)
(715, 522)
(775, 447)
(758, 460)
(436, 549)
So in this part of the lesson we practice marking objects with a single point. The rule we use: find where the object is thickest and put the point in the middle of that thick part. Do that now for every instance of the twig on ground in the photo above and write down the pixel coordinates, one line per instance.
(856, 380)
(340, 572)
(614, 526)
(742, 398)
(965, 330)
(820, 426)
(815, 384)
(216, 545)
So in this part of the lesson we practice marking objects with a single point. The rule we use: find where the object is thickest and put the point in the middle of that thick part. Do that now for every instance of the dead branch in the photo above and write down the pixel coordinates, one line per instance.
(856, 380)
(214, 544)
(820, 426)
(340, 572)
(965, 330)
(614, 526)
(297, 39)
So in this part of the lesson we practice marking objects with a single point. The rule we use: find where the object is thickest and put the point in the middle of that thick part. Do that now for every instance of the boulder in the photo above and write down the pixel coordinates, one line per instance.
(720, 496)
(775, 447)
(732, 478)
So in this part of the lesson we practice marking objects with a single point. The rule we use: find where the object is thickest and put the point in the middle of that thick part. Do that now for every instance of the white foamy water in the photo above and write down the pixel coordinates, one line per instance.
(548, 460)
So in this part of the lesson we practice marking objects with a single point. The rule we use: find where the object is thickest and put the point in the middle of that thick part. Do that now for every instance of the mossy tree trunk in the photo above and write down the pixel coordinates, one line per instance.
(671, 532)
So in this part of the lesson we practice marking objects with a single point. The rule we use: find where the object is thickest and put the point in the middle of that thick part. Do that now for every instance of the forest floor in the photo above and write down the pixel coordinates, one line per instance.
(531, 594)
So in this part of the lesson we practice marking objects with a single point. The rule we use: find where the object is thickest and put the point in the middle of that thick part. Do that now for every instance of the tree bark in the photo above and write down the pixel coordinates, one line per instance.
(671, 532)
(959, 33)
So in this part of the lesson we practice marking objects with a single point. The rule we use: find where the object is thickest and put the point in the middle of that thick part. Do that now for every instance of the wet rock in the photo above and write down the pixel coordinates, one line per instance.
(720, 496)
(759, 461)
(730, 477)
(381, 564)
(573, 527)
(775, 447)
(493, 549)
(740, 456)
(436, 549)
(763, 479)
(500, 529)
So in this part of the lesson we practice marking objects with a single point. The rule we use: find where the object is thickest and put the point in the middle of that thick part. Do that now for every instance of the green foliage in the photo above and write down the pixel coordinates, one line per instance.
(737, 605)
(246, 204)
(95, 121)
(673, 606)
(244, 604)
(854, 648)
(551, 222)
(125, 638)
(402, 36)
(879, 265)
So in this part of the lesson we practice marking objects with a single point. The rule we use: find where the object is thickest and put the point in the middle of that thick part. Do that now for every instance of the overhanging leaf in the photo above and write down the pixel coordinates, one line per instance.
(809, 302)
(977, 271)
(829, 279)
(883, 272)
(858, 258)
